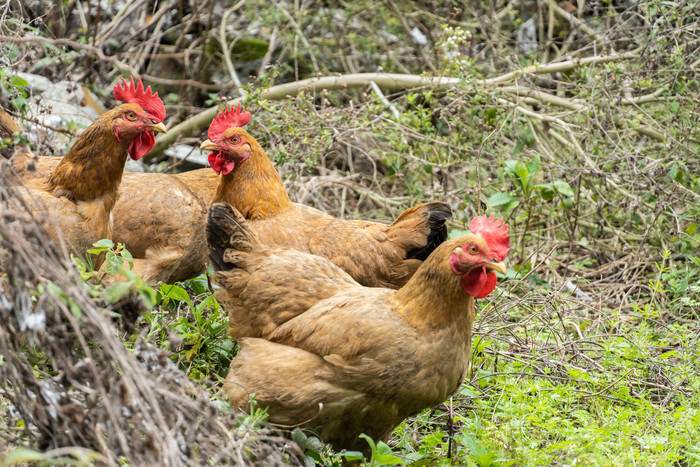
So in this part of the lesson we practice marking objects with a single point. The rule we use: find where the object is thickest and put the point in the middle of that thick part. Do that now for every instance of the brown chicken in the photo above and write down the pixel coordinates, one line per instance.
(321, 351)
(79, 195)
(159, 219)
(374, 254)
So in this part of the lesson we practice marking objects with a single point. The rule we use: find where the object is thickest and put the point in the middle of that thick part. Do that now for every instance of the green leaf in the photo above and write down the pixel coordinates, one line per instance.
(127, 256)
(352, 455)
(299, 436)
(314, 444)
(370, 441)
(175, 292)
(502, 201)
(384, 449)
(105, 242)
(386, 459)
(520, 174)
(546, 191)
(112, 263)
(561, 187)
(115, 292)
(18, 81)
(499, 199)
(519, 145)
(19, 102)
(517, 169)
(80, 264)
(208, 302)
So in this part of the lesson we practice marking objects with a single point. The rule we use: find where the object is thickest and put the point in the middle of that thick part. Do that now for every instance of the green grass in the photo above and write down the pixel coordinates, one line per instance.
(624, 392)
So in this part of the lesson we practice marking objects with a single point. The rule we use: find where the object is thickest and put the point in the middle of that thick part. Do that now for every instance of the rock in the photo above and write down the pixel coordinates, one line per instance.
(37, 83)
(58, 106)
(418, 37)
(134, 166)
(189, 154)
(527, 37)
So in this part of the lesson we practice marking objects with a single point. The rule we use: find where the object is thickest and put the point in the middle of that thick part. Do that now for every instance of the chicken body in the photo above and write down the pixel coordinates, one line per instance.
(75, 200)
(162, 224)
(76, 223)
(324, 352)
(158, 218)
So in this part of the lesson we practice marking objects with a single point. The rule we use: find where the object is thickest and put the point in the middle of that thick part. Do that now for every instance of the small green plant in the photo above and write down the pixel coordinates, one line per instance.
(15, 86)
(381, 454)
(114, 258)
(202, 325)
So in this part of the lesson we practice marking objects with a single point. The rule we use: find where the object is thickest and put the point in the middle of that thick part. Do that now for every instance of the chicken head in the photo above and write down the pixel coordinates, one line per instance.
(477, 259)
(228, 140)
(139, 118)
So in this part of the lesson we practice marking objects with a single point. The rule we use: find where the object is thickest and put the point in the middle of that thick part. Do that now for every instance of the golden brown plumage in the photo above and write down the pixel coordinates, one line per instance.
(157, 217)
(374, 254)
(78, 195)
(322, 351)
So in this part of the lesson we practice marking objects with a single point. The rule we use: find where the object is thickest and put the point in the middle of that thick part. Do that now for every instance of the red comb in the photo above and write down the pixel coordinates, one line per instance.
(494, 232)
(135, 94)
(227, 118)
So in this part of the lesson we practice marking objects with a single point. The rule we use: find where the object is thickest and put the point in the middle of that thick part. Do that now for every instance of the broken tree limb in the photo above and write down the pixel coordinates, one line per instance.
(199, 122)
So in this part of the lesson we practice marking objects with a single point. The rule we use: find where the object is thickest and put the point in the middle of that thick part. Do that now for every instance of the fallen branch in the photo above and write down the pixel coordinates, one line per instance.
(202, 120)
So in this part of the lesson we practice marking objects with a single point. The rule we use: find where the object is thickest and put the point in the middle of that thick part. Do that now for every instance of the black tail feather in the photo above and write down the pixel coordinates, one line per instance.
(226, 229)
(439, 212)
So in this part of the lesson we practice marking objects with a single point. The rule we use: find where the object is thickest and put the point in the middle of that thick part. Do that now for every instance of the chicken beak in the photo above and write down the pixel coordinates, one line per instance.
(498, 267)
(208, 146)
(159, 128)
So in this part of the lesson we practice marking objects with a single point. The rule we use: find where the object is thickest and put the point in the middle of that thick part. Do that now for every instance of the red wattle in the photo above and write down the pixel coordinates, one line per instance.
(220, 164)
(489, 285)
(478, 283)
(473, 281)
(140, 145)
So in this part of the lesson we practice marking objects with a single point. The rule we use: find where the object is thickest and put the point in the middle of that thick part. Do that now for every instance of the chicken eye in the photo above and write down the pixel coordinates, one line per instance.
(473, 249)
(154, 121)
(235, 139)
(131, 116)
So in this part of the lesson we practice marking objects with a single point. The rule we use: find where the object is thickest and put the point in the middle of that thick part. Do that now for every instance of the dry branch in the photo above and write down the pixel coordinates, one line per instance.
(202, 120)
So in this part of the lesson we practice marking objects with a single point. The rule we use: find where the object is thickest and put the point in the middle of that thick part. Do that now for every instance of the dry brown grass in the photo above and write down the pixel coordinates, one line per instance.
(88, 396)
